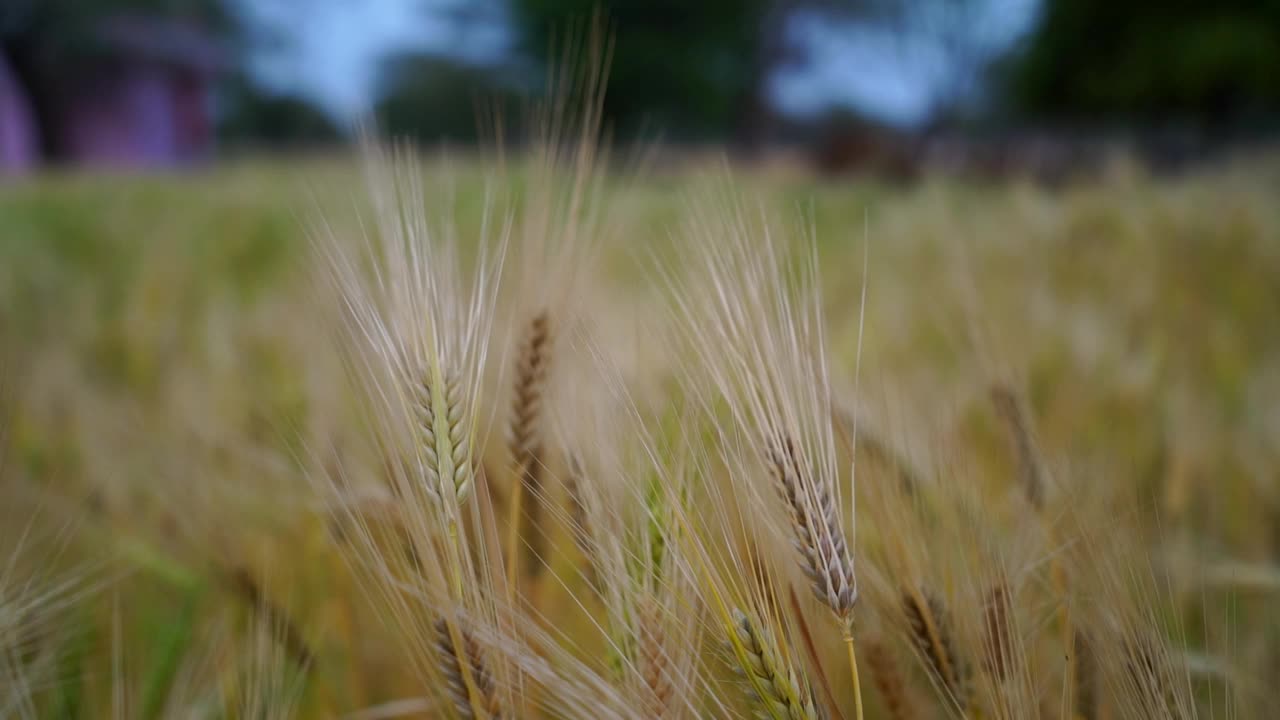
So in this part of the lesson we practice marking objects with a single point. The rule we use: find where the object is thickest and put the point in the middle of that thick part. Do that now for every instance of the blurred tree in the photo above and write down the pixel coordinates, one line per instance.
(1142, 60)
(433, 99)
(687, 68)
(251, 116)
(62, 27)
(704, 68)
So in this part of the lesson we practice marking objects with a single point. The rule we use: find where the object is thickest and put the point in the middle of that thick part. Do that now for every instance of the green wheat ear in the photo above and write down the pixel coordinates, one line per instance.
(445, 430)
(775, 684)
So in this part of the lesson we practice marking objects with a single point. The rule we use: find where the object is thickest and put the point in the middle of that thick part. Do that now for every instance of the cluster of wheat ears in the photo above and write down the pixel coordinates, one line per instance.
(665, 526)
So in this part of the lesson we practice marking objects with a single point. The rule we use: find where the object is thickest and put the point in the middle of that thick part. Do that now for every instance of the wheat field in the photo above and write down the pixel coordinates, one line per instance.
(407, 435)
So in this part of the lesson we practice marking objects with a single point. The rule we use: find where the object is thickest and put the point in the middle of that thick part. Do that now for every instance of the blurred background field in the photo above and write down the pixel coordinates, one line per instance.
(170, 379)
(1076, 200)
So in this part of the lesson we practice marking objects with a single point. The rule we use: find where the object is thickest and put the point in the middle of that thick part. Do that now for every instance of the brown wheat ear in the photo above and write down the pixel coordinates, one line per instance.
(931, 633)
(1031, 472)
(819, 538)
(889, 681)
(463, 666)
(525, 438)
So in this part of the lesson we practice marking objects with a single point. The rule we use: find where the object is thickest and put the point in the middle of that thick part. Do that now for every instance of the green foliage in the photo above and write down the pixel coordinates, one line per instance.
(71, 26)
(252, 116)
(434, 99)
(1145, 60)
(678, 67)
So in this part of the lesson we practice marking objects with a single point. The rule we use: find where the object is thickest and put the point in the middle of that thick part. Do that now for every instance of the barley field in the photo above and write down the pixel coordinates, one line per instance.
(452, 438)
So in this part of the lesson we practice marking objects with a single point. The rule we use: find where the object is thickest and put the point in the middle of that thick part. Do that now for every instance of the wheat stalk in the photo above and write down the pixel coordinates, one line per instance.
(754, 319)
(415, 335)
(558, 227)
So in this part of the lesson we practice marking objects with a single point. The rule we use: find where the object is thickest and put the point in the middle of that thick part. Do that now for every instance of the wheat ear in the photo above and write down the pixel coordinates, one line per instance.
(468, 678)
(931, 633)
(780, 691)
(444, 428)
(818, 537)
(889, 681)
(1031, 471)
(525, 442)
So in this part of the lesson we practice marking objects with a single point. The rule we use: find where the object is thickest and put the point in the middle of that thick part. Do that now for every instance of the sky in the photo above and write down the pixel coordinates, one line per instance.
(897, 77)
(331, 53)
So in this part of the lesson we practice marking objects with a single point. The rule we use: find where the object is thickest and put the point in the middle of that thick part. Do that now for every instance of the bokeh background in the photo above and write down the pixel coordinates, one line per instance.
(1074, 199)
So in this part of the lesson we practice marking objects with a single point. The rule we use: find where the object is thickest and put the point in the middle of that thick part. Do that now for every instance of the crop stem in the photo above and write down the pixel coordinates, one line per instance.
(853, 673)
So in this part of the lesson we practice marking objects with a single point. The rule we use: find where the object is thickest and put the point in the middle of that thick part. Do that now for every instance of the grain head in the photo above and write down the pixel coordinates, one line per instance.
(751, 317)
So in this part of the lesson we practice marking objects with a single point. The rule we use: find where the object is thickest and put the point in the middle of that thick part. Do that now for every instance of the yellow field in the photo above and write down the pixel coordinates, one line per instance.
(170, 383)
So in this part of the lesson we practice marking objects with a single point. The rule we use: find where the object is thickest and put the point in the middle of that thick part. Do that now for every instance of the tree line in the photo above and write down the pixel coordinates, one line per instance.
(701, 70)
